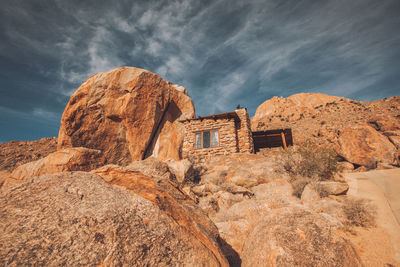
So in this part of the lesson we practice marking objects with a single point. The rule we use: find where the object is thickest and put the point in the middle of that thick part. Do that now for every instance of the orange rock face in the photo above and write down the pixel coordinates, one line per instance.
(70, 159)
(122, 112)
(363, 145)
(322, 118)
(173, 202)
(76, 219)
(169, 137)
(289, 108)
(15, 153)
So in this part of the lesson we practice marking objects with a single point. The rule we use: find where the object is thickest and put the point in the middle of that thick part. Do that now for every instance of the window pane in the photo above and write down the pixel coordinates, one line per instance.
(197, 143)
(214, 138)
(206, 139)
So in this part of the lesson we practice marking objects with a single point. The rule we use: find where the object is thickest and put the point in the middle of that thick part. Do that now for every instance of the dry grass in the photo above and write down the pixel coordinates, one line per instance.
(359, 213)
(308, 163)
(311, 161)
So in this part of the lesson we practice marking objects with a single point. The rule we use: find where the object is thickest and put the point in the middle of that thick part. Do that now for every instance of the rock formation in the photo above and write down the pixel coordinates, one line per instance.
(296, 237)
(326, 119)
(126, 113)
(291, 108)
(77, 218)
(69, 159)
(15, 153)
(363, 145)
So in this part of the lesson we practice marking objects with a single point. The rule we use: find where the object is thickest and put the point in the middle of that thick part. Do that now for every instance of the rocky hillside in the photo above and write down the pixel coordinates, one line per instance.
(95, 201)
(15, 153)
(363, 133)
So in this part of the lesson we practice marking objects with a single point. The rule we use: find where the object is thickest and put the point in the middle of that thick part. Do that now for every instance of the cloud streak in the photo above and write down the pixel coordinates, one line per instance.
(224, 52)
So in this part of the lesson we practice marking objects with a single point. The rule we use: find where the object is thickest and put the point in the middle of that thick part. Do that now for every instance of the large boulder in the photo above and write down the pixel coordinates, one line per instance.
(169, 198)
(363, 145)
(294, 236)
(77, 218)
(127, 113)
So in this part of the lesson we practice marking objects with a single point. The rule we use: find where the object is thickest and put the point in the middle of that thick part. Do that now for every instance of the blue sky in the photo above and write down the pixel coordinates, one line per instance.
(224, 52)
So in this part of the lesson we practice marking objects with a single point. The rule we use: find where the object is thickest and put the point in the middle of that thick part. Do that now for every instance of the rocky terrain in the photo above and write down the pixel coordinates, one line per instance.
(15, 153)
(363, 133)
(117, 192)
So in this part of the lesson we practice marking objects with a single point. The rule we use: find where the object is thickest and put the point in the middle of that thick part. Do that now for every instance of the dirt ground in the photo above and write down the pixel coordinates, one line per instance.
(378, 246)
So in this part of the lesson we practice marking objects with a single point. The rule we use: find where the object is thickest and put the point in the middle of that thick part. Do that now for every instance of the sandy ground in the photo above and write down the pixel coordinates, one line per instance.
(378, 246)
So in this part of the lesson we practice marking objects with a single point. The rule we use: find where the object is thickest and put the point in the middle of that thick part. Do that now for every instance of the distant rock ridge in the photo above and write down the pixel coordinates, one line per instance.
(127, 113)
(333, 120)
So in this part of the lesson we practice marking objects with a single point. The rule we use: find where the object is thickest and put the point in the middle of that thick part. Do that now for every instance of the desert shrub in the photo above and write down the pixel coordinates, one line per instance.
(359, 212)
(322, 192)
(308, 163)
(193, 177)
(311, 161)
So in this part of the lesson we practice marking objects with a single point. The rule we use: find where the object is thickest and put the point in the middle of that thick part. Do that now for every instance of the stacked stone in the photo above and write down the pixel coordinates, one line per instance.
(245, 136)
(227, 138)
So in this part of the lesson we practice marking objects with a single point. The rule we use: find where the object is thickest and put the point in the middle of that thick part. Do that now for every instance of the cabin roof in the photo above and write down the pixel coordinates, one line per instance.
(226, 115)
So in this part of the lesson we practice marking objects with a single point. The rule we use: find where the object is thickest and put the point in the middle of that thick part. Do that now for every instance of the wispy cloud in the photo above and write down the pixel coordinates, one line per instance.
(224, 52)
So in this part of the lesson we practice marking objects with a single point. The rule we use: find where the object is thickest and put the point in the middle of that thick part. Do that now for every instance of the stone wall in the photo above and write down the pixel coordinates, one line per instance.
(244, 134)
(227, 138)
(234, 136)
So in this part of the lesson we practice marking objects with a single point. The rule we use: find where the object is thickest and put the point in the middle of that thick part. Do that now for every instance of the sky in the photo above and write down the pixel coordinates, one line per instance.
(224, 52)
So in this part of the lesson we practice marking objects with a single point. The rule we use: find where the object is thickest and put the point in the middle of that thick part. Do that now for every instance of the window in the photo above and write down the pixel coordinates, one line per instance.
(206, 139)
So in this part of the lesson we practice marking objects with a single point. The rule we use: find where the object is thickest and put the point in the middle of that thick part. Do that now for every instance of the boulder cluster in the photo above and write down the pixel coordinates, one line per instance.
(113, 188)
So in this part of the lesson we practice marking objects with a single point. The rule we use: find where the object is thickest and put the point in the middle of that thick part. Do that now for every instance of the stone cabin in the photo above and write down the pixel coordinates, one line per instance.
(218, 134)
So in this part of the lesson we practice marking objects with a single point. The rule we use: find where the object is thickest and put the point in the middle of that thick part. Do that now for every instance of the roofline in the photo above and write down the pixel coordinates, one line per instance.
(226, 115)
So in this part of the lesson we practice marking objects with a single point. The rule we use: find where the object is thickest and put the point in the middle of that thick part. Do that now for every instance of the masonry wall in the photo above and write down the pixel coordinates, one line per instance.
(228, 139)
(245, 136)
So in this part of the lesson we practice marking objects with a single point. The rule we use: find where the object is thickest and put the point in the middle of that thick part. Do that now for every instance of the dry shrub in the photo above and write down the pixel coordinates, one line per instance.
(359, 212)
(309, 162)
(321, 190)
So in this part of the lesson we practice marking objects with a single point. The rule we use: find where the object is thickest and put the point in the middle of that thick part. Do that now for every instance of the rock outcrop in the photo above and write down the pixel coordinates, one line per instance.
(323, 118)
(290, 108)
(126, 113)
(77, 218)
(363, 145)
(69, 159)
(296, 237)
(15, 153)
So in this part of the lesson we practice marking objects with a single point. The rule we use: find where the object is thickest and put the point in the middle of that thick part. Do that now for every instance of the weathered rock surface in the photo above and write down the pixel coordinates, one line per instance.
(296, 237)
(309, 194)
(70, 159)
(289, 108)
(152, 167)
(321, 118)
(15, 153)
(79, 219)
(169, 137)
(363, 145)
(183, 169)
(179, 206)
(332, 188)
(122, 112)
